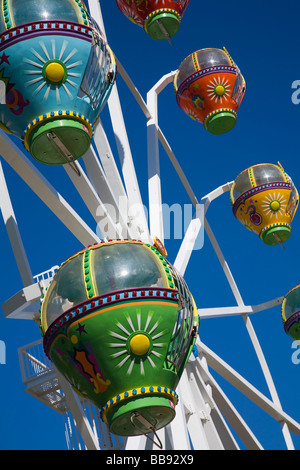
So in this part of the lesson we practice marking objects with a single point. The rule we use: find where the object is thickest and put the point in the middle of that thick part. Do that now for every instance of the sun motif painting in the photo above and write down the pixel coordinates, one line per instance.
(141, 342)
(209, 88)
(265, 200)
(120, 323)
(56, 84)
(52, 69)
(218, 90)
(159, 18)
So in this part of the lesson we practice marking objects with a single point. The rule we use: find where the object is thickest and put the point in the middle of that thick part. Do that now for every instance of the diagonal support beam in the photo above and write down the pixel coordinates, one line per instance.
(14, 233)
(136, 207)
(241, 384)
(205, 313)
(45, 191)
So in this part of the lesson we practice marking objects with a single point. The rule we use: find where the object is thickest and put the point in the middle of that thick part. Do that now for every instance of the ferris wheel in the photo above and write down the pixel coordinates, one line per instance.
(137, 383)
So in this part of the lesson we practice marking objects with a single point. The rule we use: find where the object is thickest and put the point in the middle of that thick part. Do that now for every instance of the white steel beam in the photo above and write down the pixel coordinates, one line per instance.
(188, 243)
(13, 232)
(133, 89)
(194, 415)
(99, 211)
(161, 84)
(268, 377)
(136, 207)
(224, 265)
(241, 384)
(178, 168)
(24, 304)
(154, 182)
(154, 185)
(107, 182)
(195, 226)
(45, 191)
(228, 410)
(249, 327)
(178, 427)
(89, 437)
(266, 371)
(136, 443)
(108, 163)
(206, 313)
(216, 428)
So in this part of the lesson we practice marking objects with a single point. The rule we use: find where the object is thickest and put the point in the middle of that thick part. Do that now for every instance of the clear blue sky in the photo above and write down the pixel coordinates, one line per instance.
(262, 39)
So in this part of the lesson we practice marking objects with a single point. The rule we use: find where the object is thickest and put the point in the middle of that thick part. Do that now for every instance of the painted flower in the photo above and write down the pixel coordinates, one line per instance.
(137, 343)
(274, 204)
(53, 70)
(218, 89)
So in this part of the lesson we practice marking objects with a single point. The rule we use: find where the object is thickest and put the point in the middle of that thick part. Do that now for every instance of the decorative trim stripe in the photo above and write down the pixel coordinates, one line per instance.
(195, 61)
(90, 288)
(251, 168)
(218, 111)
(229, 56)
(251, 177)
(138, 392)
(277, 224)
(295, 318)
(108, 300)
(201, 73)
(37, 28)
(52, 116)
(263, 187)
(161, 10)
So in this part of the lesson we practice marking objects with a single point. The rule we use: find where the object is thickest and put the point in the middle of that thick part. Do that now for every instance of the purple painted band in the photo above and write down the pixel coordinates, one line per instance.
(201, 73)
(258, 189)
(291, 320)
(38, 28)
(101, 301)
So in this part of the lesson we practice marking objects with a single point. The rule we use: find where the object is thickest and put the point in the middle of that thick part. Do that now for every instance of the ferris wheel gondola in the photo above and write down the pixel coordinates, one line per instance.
(159, 18)
(59, 72)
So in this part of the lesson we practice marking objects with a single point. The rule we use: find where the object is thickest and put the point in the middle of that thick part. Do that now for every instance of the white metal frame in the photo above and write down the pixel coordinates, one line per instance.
(199, 422)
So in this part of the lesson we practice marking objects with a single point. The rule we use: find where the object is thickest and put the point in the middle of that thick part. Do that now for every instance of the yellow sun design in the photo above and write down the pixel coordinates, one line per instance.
(52, 70)
(274, 205)
(218, 90)
(137, 344)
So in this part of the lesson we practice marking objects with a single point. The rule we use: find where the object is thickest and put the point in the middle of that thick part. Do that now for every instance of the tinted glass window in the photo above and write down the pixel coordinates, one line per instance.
(186, 69)
(267, 174)
(125, 266)
(43, 10)
(67, 289)
(205, 58)
(241, 185)
(211, 57)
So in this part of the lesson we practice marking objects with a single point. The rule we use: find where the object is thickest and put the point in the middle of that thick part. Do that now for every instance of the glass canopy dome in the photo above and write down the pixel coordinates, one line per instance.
(111, 268)
(256, 175)
(204, 58)
(18, 12)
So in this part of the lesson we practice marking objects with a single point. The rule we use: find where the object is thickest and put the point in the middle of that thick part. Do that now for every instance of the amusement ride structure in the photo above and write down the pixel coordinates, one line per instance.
(121, 356)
